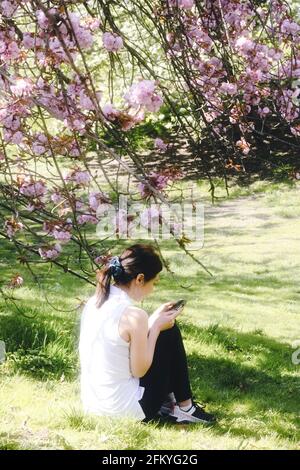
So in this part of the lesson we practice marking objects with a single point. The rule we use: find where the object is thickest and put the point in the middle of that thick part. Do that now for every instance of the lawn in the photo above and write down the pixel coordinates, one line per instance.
(240, 328)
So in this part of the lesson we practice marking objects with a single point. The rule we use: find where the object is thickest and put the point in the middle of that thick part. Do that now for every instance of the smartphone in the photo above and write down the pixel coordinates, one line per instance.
(178, 305)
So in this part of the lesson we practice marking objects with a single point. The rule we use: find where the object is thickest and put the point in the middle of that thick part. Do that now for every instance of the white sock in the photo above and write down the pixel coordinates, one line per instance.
(186, 408)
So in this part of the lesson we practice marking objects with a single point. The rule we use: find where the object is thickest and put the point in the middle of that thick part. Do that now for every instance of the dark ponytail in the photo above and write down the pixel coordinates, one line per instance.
(137, 259)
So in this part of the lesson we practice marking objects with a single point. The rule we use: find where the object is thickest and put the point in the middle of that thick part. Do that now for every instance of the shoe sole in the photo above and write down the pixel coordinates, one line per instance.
(199, 421)
(175, 420)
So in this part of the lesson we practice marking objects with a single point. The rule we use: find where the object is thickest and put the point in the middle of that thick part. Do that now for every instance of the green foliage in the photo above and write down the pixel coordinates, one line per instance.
(8, 444)
(140, 137)
(41, 348)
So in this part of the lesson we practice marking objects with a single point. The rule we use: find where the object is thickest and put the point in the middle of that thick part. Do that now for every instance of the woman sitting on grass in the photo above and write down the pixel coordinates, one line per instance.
(131, 364)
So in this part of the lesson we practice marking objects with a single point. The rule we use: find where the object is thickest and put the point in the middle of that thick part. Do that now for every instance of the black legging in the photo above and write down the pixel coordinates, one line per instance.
(168, 373)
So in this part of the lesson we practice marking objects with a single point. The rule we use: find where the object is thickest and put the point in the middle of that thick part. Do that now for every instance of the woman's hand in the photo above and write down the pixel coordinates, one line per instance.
(164, 317)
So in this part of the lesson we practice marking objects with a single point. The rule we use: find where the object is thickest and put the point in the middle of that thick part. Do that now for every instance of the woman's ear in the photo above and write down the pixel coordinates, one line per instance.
(140, 279)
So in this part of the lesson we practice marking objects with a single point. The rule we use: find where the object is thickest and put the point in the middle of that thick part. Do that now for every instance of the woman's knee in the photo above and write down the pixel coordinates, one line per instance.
(173, 332)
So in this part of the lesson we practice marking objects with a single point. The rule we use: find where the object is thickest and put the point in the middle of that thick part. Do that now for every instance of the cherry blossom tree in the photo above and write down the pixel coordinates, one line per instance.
(78, 79)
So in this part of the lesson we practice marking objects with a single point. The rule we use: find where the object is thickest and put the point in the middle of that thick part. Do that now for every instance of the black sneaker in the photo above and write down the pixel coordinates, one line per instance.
(195, 414)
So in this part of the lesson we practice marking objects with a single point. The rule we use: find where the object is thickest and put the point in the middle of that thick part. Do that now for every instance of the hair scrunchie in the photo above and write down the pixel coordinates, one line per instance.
(116, 268)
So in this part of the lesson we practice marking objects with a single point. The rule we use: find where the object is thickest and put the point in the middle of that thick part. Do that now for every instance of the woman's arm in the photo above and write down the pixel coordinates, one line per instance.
(143, 336)
(142, 341)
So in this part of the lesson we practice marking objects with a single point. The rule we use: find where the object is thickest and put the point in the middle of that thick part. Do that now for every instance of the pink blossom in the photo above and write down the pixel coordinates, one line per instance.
(263, 112)
(159, 181)
(187, 4)
(86, 218)
(32, 188)
(9, 49)
(210, 67)
(160, 144)
(128, 120)
(229, 88)
(16, 281)
(290, 69)
(56, 197)
(290, 27)
(28, 40)
(150, 216)
(85, 101)
(57, 49)
(253, 75)
(244, 45)
(51, 99)
(83, 35)
(8, 8)
(16, 138)
(74, 150)
(112, 42)
(275, 54)
(143, 94)
(31, 207)
(9, 120)
(79, 177)
(96, 199)
(155, 104)
(22, 87)
(295, 130)
(62, 236)
(200, 37)
(50, 252)
(43, 21)
(37, 148)
(82, 177)
(236, 18)
(92, 23)
(75, 123)
(12, 226)
(243, 145)
(175, 46)
(58, 229)
(287, 101)
(42, 138)
(110, 112)
(79, 205)
(76, 89)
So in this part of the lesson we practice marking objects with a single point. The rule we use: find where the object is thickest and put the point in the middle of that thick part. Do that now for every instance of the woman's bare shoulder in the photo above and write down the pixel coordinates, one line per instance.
(132, 320)
(136, 312)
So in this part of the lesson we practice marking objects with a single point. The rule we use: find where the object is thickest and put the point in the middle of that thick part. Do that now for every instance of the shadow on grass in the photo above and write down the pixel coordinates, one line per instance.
(267, 386)
(8, 442)
(251, 282)
(43, 348)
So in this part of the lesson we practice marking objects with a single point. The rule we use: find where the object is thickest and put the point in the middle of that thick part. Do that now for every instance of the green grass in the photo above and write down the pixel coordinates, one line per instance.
(239, 328)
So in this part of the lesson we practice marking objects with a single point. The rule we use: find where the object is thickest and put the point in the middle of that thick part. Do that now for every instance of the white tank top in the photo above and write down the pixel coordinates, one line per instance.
(107, 385)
